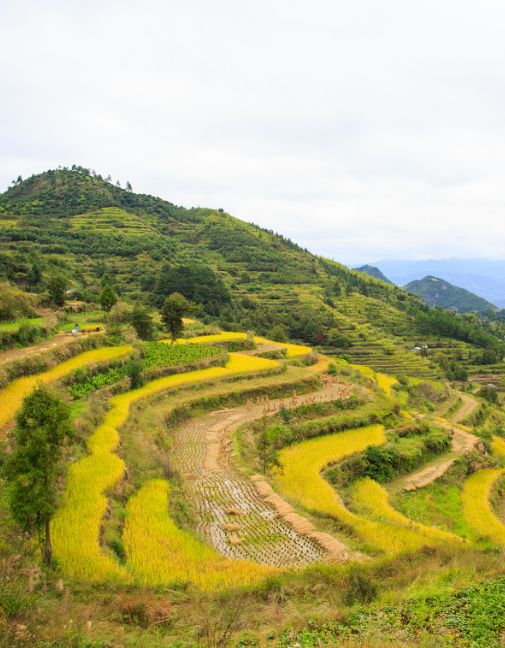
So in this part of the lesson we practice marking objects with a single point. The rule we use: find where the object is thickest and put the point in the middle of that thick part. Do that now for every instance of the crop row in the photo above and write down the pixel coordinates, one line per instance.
(76, 525)
(12, 396)
(477, 508)
(300, 479)
(292, 350)
(154, 355)
(158, 552)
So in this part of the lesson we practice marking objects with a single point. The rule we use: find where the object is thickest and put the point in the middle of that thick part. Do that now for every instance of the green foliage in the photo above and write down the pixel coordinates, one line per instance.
(107, 298)
(85, 385)
(142, 322)
(172, 311)
(406, 451)
(360, 587)
(279, 333)
(197, 282)
(473, 617)
(57, 287)
(42, 427)
(134, 373)
(14, 303)
(489, 393)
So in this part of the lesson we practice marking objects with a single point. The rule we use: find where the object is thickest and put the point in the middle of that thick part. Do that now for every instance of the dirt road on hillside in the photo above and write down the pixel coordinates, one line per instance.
(59, 340)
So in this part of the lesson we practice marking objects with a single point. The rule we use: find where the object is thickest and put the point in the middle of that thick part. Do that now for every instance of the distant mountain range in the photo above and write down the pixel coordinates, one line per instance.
(438, 292)
(483, 277)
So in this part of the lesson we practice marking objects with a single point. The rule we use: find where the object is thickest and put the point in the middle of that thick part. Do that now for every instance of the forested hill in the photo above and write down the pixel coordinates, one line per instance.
(438, 292)
(83, 227)
(373, 272)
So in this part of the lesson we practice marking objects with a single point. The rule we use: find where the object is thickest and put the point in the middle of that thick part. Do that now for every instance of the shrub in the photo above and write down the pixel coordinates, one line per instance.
(360, 587)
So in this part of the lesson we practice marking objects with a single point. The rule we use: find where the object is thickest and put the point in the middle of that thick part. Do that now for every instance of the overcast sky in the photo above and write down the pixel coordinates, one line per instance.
(363, 130)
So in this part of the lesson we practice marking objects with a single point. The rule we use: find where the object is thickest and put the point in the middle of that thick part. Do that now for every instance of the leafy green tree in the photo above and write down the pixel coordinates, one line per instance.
(35, 273)
(173, 309)
(197, 282)
(107, 298)
(42, 427)
(279, 333)
(57, 287)
(134, 373)
(142, 322)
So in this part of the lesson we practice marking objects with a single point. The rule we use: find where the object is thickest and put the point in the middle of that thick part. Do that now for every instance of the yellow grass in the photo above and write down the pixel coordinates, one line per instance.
(159, 553)
(76, 525)
(477, 506)
(371, 497)
(384, 381)
(12, 396)
(292, 350)
(300, 479)
(498, 446)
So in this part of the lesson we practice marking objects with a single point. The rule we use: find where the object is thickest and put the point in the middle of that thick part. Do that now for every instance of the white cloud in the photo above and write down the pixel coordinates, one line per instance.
(362, 130)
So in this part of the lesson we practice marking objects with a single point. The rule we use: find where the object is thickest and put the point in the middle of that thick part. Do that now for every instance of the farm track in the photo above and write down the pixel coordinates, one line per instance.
(56, 342)
(238, 516)
(462, 442)
(469, 405)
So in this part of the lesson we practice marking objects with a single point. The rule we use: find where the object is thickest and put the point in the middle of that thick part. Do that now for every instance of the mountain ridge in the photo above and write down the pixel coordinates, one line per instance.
(438, 292)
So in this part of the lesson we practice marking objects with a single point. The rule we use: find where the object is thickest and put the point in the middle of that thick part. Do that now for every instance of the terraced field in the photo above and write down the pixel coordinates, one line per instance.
(247, 526)
(233, 518)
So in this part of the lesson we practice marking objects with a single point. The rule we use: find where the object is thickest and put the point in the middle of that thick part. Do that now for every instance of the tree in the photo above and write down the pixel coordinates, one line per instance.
(134, 373)
(173, 309)
(142, 322)
(107, 298)
(42, 427)
(129, 186)
(35, 273)
(279, 333)
(57, 287)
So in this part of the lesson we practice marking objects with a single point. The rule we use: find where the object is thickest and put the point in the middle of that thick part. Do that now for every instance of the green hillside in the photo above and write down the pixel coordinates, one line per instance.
(79, 225)
(438, 292)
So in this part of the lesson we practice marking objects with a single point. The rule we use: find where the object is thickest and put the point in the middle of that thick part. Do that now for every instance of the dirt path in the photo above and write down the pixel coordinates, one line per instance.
(468, 406)
(462, 442)
(59, 340)
(236, 516)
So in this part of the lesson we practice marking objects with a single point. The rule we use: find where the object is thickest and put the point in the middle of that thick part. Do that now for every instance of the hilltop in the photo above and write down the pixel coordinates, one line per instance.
(437, 292)
(373, 272)
(82, 226)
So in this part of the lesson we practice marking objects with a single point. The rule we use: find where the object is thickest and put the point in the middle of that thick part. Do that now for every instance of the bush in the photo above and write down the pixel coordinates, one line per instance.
(360, 587)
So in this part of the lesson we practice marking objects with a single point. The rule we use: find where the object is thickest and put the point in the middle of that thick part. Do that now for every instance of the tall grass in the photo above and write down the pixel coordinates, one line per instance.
(384, 381)
(498, 446)
(477, 506)
(159, 553)
(76, 525)
(12, 396)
